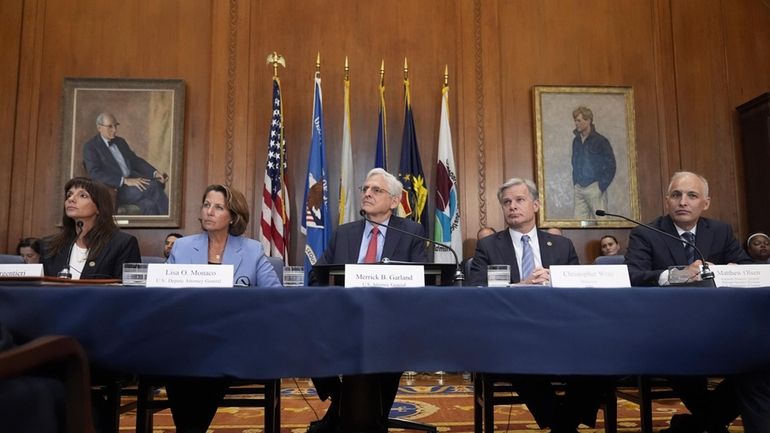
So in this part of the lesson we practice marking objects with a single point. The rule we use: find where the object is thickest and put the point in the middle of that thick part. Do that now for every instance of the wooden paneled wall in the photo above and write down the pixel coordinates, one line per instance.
(690, 63)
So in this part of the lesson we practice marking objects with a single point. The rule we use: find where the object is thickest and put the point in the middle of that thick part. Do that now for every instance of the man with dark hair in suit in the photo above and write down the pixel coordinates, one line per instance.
(529, 252)
(110, 160)
(363, 242)
(649, 257)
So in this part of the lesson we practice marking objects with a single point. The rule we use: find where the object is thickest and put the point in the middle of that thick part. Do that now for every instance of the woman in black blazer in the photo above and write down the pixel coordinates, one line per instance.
(89, 245)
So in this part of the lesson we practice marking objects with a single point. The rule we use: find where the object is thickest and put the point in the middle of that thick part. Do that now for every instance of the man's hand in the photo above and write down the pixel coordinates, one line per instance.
(541, 276)
(138, 182)
(160, 177)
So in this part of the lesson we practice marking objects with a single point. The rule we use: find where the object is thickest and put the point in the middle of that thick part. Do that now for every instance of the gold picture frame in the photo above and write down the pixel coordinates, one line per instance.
(562, 203)
(151, 117)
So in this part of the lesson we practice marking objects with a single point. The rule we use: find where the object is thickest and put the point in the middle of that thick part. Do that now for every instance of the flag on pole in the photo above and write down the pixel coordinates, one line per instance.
(316, 223)
(414, 198)
(347, 183)
(275, 195)
(381, 157)
(446, 228)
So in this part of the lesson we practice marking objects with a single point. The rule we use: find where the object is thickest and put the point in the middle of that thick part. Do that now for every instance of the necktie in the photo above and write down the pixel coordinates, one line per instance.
(527, 258)
(688, 249)
(371, 250)
(119, 159)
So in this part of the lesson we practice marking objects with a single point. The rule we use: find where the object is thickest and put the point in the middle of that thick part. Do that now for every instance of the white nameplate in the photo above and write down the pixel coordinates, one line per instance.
(741, 275)
(384, 275)
(168, 275)
(21, 270)
(589, 276)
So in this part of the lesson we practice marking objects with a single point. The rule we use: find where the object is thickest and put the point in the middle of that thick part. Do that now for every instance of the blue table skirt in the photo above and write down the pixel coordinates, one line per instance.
(320, 331)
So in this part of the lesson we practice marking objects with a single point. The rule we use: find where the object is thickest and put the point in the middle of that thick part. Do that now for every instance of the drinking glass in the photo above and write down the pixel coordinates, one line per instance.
(134, 274)
(498, 275)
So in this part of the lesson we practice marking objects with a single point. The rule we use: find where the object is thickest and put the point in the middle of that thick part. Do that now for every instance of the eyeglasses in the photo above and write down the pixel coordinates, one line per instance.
(113, 126)
(376, 190)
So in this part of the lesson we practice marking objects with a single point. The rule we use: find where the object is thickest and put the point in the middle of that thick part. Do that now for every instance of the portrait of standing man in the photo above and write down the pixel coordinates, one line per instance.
(593, 165)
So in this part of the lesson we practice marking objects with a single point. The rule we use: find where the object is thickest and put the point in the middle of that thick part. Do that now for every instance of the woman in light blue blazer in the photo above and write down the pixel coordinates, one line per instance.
(224, 217)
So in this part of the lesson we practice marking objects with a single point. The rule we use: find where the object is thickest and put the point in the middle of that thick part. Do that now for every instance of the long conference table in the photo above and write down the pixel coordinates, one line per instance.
(261, 333)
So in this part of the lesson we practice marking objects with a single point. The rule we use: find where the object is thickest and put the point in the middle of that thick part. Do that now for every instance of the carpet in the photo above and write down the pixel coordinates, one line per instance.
(445, 401)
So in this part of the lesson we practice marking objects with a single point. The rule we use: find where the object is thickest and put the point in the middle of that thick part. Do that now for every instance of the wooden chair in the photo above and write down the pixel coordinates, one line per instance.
(492, 390)
(58, 354)
(642, 390)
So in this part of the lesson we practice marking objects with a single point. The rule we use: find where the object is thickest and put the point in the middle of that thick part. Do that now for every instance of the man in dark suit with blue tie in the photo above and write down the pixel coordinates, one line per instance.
(649, 257)
(110, 160)
(529, 252)
(364, 242)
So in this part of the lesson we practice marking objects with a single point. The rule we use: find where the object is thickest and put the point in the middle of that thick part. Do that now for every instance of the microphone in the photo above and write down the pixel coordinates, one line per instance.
(459, 275)
(65, 272)
(705, 274)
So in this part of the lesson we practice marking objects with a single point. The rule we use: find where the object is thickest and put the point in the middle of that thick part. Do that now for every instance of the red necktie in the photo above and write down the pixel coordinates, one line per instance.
(371, 251)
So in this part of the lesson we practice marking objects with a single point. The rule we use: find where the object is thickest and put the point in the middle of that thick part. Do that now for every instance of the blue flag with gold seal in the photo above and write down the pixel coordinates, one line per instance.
(316, 221)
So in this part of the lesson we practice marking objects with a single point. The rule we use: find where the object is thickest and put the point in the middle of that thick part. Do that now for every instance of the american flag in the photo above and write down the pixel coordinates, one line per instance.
(275, 196)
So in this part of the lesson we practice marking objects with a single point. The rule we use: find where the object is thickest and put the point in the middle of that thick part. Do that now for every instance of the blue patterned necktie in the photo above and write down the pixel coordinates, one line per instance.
(689, 249)
(527, 258)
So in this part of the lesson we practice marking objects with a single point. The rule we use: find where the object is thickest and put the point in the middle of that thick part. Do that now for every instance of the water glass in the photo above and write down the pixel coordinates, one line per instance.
(134, 274)
(498, 275)
(293, 276)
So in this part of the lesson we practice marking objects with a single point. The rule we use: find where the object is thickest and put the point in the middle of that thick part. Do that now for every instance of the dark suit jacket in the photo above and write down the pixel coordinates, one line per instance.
(122, 248)
(345, 243)
(102, 166)
(343, 248)
(650, 253)
(498, 249)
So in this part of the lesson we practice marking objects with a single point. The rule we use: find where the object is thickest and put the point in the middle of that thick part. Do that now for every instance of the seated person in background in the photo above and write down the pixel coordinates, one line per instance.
(609, 245)
(530, 252)
(29, 250)
(758, 247)
(169, 243)
(363, 242)
(648, 257)
(89, 244)
(224, 216)
(484, 232)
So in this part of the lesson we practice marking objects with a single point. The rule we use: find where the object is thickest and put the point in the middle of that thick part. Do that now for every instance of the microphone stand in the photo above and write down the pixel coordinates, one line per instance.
(65, 272)
(706, 274)
(459, 276)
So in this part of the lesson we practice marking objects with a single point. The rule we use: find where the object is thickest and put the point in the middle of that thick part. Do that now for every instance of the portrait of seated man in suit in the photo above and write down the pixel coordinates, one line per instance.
(109, 159)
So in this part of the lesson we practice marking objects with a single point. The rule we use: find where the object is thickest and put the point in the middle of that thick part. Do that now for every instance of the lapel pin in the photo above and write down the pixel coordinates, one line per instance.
(549, 243)
(92, 263)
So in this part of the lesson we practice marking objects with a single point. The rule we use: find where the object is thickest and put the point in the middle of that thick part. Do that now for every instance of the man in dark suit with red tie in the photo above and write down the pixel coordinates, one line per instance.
(109, 160)
(649, 257)
(364, 242)
(529, 252)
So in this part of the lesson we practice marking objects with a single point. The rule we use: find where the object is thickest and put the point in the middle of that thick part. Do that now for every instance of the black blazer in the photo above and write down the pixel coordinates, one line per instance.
(122, 248)
(345, 243)
(498, 249)
(650, 253)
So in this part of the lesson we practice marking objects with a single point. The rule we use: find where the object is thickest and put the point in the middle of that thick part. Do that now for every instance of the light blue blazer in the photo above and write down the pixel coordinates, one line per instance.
(250, 266)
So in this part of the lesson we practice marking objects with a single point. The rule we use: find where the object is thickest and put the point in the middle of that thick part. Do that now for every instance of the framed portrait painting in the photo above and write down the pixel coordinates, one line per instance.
(128, 135)
(586, 155)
